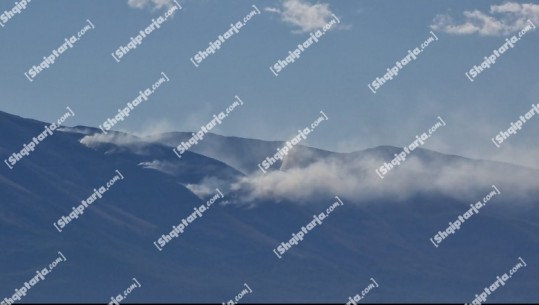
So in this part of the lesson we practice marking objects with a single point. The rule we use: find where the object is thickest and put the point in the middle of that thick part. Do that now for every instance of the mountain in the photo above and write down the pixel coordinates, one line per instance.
(242, 154)
(382, 231)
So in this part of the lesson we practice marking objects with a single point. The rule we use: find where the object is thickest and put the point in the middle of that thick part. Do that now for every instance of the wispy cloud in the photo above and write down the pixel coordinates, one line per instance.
(303, 15)
(307, 176)
(272, 10)
(152, 4)
(501, 19)
(356, 179)
(116, 138)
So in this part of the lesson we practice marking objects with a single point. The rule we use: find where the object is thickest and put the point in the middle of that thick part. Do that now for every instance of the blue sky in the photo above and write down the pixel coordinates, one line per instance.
(331, 75)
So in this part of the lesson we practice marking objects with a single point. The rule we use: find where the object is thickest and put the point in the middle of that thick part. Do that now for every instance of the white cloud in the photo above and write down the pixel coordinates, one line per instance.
(169, 168)
(150, 131)
(116, 138)
(153, 4)
(206, 188)
(307, 17)
(501, 19)
(272, 10)
(356, 179)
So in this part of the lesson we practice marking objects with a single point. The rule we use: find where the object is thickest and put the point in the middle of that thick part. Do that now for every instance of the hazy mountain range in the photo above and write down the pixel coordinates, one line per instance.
(381, 232)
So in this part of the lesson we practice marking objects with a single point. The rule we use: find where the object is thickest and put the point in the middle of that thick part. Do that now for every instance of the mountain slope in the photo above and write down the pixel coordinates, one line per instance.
(382, 235)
